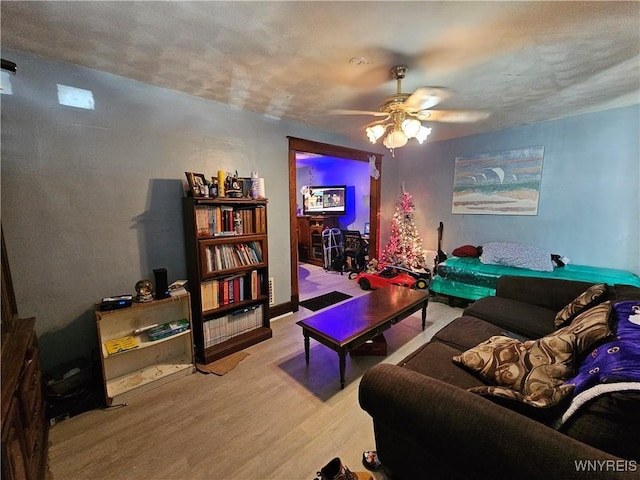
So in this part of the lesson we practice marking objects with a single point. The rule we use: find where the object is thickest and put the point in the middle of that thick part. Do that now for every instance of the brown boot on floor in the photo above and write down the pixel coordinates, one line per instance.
(335, 470)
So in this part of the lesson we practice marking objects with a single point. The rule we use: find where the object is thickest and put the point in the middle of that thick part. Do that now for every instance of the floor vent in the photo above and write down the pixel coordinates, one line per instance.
(272, 295)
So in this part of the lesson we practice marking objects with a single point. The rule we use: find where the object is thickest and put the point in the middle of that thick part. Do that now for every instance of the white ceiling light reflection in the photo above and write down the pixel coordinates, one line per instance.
(5, 83)
(75, 97)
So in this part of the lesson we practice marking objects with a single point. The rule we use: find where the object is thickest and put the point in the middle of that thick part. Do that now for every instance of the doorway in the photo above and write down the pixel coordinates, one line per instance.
(299, 145)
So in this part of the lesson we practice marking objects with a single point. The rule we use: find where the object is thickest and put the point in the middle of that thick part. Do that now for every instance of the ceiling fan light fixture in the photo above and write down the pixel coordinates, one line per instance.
(395, 139)
(375, 132)
(422, 134)
(405, 112)
(411, 127)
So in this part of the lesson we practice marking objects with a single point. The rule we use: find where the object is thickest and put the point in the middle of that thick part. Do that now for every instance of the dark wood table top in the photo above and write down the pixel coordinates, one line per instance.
(351, 319)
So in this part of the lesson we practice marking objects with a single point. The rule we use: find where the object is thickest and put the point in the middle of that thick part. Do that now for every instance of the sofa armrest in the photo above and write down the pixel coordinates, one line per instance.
(551, 293)
(466, 433)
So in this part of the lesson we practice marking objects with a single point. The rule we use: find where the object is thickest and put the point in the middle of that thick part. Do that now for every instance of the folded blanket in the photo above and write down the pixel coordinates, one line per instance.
(613, 366)
(594, 392)
(617, 360)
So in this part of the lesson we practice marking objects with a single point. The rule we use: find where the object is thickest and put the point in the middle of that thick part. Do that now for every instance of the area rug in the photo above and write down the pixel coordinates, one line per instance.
(224, 365)
(324, 301)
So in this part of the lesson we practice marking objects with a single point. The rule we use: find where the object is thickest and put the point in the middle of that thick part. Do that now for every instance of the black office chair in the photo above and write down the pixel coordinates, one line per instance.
(356, 249)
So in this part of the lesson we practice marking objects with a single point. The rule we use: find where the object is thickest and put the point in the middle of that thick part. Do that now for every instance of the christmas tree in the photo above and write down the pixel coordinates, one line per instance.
(404, 247)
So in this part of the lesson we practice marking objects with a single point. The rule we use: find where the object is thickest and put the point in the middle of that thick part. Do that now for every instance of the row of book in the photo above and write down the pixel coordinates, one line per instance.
(154, 332)
(212, 220)
(224, 291)
(121, 344)
(233, 255)
(228, 326)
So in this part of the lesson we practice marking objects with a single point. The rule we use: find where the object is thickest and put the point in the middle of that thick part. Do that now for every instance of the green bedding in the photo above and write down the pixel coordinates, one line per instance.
(468, 278)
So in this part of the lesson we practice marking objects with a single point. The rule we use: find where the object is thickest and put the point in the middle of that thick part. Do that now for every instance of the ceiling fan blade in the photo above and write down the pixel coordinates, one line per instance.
(425, 97)
(452, 116)
(358, 112)
(378, 121)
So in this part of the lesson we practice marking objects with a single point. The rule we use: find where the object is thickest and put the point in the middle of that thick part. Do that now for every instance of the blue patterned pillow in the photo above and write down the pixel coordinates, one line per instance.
(516, 255)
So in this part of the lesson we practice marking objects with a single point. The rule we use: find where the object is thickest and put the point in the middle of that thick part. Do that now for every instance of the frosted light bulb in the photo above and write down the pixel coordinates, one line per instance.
(411, 127)
(422, 134)
(397, 139)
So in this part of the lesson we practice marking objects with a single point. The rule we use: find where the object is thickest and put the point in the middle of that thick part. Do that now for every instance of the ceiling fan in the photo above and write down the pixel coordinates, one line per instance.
(404, 112)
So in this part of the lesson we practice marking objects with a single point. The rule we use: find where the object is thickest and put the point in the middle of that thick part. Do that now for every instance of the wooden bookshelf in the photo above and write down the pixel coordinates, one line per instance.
(228, 273)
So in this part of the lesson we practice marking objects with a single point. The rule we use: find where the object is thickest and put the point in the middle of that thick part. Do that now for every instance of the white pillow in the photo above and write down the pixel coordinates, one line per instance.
(516, 255)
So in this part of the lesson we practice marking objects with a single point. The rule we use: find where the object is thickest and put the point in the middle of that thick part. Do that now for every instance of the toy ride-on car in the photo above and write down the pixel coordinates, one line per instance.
(394, 275)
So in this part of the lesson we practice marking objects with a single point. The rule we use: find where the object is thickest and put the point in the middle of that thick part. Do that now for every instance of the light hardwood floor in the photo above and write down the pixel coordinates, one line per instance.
(272, 417)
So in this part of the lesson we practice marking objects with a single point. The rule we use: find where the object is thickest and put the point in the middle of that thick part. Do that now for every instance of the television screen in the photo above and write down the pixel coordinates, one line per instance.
(326, 200)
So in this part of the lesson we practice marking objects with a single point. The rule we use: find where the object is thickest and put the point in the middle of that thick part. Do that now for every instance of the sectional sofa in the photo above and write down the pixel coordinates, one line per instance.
(495, 393)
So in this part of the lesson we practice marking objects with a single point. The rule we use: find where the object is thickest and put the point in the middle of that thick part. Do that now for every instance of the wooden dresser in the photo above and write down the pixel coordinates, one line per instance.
(25, 431)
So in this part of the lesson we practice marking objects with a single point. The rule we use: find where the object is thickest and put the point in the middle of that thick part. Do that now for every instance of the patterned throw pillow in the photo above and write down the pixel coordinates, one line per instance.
(534, 370)
(542, 398)
(589, 327)
(583, 301)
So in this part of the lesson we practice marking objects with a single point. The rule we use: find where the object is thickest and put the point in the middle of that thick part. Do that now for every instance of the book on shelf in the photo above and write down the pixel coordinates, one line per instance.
(226, 213)
(252, 219)
(261, 220)
(220, 220)
(235, 323)
(213, 220)
(179, 287)
(227, 290)
(205, 222)
(168, 329)
(209, 295)
(233, 255)
(255, 285)
(246, 219)
(225, 293)
(121, 344)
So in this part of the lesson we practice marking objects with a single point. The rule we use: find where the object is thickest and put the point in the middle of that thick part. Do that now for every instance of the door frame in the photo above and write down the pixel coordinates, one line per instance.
(300, 145)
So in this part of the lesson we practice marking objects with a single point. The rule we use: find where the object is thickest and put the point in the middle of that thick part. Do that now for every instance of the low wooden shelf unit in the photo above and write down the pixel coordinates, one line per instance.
(153, 362)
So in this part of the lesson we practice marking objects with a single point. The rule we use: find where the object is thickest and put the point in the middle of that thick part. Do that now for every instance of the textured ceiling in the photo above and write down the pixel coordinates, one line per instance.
(522, 61)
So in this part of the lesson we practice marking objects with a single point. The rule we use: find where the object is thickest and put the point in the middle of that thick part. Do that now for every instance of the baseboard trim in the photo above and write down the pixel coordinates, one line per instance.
(280, 309)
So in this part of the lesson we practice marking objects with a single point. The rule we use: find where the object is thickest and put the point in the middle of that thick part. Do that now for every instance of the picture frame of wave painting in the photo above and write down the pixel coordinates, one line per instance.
(501, 183)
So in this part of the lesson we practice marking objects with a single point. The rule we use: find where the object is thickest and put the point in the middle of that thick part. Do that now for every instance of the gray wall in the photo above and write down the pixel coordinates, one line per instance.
(589, 205)
(91, 198)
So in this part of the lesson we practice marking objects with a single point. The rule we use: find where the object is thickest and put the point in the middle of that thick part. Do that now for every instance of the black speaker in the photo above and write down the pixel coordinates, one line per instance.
(162, 287)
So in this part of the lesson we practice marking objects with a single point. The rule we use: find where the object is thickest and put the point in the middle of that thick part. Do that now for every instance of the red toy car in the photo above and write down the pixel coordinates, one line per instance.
(394, 275)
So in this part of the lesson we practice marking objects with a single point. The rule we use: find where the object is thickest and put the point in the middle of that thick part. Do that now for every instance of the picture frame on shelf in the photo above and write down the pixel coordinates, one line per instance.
(235, 187)
(196, 183)
(245, 183)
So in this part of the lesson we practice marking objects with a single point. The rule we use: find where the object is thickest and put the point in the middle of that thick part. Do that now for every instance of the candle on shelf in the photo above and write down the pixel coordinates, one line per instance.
(221, 178)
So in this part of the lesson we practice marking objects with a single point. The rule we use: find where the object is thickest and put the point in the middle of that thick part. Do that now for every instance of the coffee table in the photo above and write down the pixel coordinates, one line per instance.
(351, 324)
